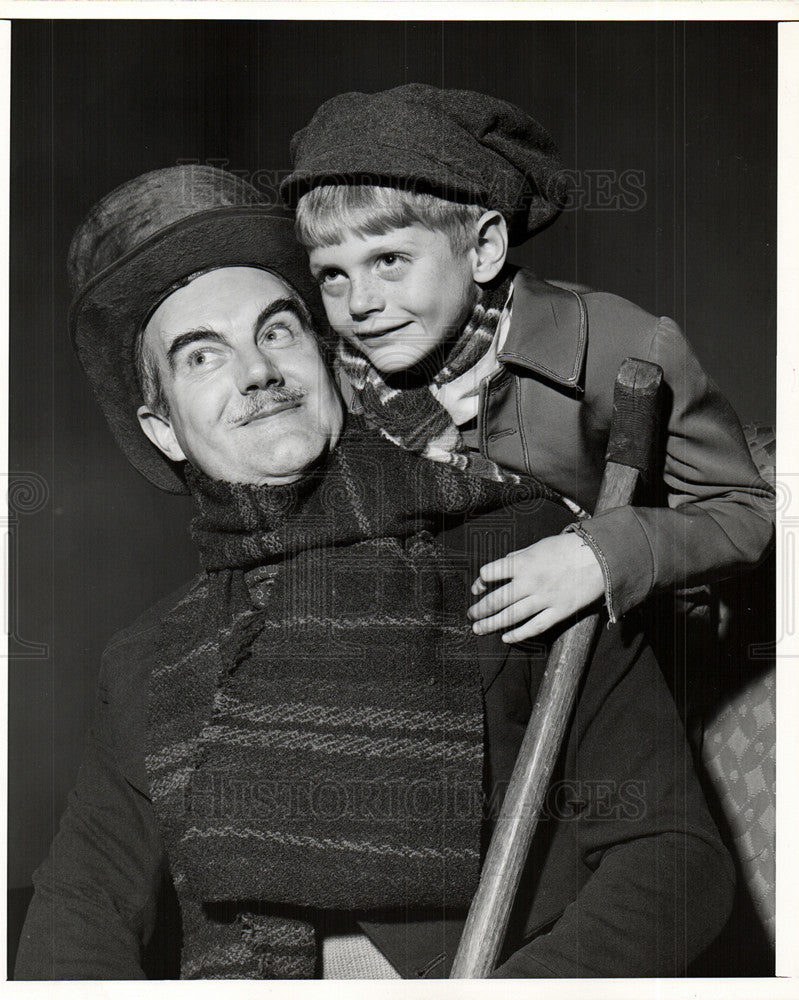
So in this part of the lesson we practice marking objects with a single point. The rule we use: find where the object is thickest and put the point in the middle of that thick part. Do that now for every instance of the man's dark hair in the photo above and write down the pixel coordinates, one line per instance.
(149, 376)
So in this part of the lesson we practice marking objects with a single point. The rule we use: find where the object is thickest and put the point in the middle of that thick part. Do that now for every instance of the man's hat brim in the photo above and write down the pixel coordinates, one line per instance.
(106, 317)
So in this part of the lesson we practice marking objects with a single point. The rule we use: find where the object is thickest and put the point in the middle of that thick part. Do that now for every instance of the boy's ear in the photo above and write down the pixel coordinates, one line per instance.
(159, 430)
(492, 247)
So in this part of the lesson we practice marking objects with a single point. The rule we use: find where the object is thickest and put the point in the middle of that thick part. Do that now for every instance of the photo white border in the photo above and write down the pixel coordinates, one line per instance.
(786, 982)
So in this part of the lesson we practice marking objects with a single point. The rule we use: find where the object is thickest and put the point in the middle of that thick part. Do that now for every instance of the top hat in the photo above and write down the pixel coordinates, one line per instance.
(137, 244)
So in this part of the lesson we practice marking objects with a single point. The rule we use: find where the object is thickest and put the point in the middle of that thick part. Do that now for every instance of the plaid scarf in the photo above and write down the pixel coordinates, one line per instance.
(413, 418)
(315, 733)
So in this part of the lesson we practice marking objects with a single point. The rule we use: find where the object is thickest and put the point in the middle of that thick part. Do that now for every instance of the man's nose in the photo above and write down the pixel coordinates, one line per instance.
(365, 296)
(257, 370)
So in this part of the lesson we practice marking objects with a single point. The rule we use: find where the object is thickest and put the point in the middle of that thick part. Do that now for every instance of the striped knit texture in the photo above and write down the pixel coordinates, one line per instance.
(413, 418)
(315, 731)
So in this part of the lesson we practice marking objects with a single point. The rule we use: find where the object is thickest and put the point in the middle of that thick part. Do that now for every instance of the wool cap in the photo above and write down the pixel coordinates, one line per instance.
(457, 144)
(138, 244)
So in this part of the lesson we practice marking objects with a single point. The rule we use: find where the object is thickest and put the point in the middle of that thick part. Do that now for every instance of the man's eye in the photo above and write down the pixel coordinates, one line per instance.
(278, 334)
(200, 358)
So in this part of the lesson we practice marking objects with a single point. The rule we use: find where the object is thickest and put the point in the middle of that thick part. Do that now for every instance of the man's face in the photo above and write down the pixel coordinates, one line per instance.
(250, 398)
(397, 297)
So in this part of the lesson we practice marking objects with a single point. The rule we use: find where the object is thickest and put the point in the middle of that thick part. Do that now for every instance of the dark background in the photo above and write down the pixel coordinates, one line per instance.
(691, 109)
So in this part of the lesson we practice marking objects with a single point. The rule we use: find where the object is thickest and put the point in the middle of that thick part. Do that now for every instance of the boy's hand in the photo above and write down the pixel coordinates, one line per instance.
(547, 582)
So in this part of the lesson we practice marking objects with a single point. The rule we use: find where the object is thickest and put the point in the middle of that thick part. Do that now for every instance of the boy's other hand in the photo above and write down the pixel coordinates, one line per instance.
(546, 582)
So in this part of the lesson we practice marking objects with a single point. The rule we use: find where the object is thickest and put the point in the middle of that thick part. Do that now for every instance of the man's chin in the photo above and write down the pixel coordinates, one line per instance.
(293, 458)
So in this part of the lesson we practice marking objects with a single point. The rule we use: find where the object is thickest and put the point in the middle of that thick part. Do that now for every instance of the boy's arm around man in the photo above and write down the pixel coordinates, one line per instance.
(627, 875)
(547, 411)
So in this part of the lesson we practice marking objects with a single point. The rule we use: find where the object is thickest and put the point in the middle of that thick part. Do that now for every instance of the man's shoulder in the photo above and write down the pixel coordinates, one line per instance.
(128, 662)
(142, 634)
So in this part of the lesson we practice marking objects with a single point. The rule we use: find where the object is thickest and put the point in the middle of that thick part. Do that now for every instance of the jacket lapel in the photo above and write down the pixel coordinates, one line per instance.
(548, 331)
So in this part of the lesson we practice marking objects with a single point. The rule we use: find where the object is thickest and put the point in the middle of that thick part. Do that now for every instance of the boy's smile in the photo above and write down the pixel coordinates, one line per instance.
(396, 296)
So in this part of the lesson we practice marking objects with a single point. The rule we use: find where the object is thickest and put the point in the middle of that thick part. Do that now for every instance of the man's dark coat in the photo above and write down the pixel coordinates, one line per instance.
(627, 875)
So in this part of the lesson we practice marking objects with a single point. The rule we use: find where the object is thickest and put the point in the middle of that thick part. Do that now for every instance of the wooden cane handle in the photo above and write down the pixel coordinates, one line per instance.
(634, 422)
(630, 445)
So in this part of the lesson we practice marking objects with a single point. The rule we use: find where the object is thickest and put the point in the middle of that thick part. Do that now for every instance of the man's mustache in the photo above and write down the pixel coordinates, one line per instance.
(266, 399)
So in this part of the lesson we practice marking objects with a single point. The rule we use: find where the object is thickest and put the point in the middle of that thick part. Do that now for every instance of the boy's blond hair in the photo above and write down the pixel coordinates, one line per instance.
(328, 212)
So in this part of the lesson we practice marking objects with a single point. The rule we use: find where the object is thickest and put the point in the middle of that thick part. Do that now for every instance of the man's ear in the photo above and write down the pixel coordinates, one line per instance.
(489, 255)
(159, 430)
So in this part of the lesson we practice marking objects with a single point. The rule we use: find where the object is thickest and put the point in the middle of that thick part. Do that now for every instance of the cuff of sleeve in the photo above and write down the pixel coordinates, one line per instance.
(619, 542)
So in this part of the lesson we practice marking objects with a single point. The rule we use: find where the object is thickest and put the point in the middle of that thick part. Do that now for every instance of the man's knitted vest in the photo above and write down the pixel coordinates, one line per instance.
(315, 733)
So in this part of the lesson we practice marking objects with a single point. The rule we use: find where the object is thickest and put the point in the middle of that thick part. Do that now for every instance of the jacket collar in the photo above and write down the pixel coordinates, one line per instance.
(548, 331)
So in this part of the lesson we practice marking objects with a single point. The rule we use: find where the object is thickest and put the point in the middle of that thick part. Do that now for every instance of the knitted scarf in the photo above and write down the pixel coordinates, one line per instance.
(315, 724)
(413, 418)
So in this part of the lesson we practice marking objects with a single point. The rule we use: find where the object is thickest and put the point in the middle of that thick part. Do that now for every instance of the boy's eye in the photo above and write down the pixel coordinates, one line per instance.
(329, 276)
(391, 259)
(391, 266)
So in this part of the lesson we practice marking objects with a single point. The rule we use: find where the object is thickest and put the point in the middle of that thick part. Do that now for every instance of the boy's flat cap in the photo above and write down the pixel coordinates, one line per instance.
(457, 144)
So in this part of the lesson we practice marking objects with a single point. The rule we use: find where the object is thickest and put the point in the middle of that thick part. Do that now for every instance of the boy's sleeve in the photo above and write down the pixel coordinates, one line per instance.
(95, 898)
(659, 883)
(720, 512)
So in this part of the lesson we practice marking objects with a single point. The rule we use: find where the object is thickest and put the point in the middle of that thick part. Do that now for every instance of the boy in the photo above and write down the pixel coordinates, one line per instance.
(406, 201)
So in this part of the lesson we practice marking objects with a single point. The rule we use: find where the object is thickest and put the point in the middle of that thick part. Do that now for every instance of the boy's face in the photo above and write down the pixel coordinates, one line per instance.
(397, 296)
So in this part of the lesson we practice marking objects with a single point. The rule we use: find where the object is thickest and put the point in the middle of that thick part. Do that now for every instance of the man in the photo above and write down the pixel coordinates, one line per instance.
(296, 747)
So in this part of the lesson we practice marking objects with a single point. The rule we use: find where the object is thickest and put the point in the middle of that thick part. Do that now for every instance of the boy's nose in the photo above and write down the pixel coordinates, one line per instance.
(365, 297)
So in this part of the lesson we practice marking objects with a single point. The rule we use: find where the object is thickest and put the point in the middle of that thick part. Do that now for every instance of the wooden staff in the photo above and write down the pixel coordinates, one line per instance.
(628, 455)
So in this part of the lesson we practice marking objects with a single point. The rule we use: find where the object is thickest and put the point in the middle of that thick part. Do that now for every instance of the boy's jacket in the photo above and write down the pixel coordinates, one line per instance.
(547, 412)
